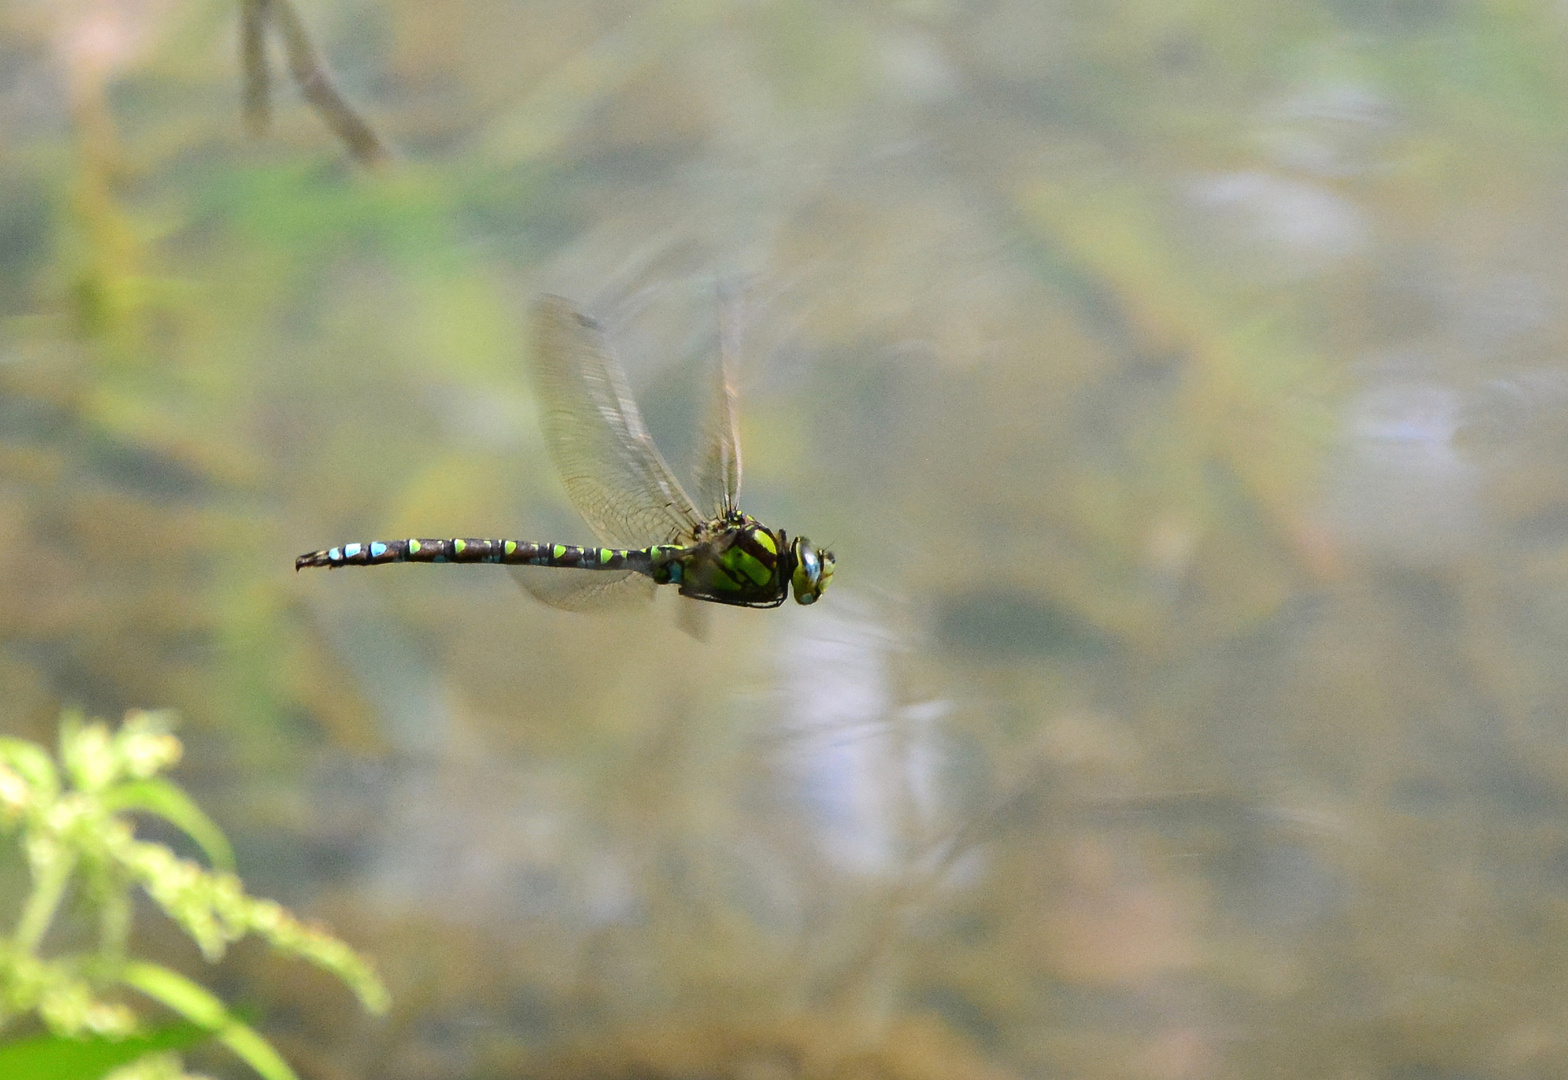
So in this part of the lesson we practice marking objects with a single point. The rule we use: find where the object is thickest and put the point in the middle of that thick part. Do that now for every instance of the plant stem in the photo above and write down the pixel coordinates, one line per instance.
(50, 878)
(114, 926)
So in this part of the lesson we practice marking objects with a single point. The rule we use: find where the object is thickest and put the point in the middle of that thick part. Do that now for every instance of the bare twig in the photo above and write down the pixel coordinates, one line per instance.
(309, 74)
(253, 57)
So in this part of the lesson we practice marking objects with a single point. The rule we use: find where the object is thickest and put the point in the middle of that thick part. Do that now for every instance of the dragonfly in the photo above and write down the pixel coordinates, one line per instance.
(652, 532)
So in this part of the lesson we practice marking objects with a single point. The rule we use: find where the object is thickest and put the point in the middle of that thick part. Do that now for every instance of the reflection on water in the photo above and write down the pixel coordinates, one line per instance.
(1306, 222)
(1401, 486)
(1181, 388)
(839, 726)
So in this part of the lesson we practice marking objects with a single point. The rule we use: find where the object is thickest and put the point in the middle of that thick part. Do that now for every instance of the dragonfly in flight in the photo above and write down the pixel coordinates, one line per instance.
(653, 533)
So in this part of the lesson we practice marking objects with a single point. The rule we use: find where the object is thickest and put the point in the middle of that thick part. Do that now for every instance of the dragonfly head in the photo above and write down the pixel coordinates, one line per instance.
(813, 570)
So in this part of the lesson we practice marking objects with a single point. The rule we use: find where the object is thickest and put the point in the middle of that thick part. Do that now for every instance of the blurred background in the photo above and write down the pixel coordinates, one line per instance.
(1179, 384)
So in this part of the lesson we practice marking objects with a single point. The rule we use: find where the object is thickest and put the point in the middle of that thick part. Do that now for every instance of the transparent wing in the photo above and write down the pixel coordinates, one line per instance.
(718, 469)
(693, 617)
(584, 590)
(614, 474)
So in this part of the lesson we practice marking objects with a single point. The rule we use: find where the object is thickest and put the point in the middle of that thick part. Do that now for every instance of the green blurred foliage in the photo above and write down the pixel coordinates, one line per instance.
(57, 1057)
(71, 825)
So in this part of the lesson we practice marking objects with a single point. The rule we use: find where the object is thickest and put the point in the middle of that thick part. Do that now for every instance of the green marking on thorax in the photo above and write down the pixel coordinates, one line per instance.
(746, 564)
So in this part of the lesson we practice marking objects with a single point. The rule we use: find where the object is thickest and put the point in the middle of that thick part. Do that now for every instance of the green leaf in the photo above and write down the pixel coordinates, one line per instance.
(34, 765)
(170, 803)
(201, 1006)
(194, 1002)
(255, 1051)
(56, 1057)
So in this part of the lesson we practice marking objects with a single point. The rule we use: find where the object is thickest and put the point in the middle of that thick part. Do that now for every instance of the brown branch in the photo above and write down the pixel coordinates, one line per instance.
(309, 74)
(253, 58)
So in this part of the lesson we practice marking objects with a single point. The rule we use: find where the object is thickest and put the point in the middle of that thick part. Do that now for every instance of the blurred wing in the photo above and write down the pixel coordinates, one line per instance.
(614, 474)
(718, 470)
(584, 590)
(693, 617)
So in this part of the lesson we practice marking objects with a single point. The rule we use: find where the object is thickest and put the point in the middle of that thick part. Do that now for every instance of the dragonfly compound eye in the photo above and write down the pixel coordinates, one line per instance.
(813, 571)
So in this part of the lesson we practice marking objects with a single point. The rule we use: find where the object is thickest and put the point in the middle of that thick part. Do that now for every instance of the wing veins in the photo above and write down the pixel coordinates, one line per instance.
(612, 470)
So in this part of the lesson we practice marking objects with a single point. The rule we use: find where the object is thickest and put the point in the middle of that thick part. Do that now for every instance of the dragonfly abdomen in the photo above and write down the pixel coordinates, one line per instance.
(467, 550)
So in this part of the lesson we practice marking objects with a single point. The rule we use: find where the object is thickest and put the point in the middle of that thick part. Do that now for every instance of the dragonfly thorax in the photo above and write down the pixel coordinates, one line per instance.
(734, 560)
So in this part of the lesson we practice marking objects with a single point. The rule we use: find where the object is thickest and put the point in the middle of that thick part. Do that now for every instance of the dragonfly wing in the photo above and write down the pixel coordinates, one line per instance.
(718, 470)
(693, 617)
(585, 590)
(613, 473)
